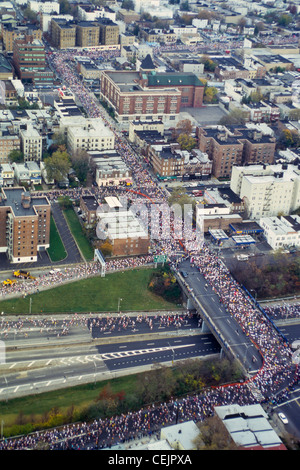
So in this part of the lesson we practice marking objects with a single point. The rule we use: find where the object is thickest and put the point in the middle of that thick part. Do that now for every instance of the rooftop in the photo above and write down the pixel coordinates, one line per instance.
(12, 197)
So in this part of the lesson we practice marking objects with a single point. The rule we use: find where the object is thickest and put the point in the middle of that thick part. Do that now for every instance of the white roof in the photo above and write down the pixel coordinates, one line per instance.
(185, 433)
(248, 425)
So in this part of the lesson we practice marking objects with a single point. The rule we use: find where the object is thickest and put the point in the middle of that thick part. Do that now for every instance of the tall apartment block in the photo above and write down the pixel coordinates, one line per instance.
(24, 224)
(29, 60)
(9, 141)
(237, 146)
(62, 33)
(31, 144)
(10, 34)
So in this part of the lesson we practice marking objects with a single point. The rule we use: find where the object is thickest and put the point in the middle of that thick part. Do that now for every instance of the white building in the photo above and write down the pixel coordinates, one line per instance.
(281, 232)
(267, 190)
(181, 436)
(21, 173)
(44, 7)
(31, 144)
(94, 135)
(35, 173)
(7, 174)
(110, 168)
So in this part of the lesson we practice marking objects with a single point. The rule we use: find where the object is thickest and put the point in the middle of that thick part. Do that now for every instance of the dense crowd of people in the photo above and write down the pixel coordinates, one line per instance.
(29, 326)
(277, 371)
(283, 311)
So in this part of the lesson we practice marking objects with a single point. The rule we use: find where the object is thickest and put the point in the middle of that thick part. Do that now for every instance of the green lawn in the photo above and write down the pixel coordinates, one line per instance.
(76, 229)
(56, 251)
(34, 408)
(96, 294)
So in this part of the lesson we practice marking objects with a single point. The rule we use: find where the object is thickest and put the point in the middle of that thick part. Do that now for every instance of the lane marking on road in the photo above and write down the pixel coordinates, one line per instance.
(143, 351)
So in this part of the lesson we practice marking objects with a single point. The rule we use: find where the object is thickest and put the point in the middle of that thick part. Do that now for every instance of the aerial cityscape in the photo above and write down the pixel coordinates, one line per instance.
(149, 227)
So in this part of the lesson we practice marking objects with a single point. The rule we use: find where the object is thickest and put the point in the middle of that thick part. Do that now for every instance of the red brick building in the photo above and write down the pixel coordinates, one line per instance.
(24, 224)
(154, 96)
(238, 146)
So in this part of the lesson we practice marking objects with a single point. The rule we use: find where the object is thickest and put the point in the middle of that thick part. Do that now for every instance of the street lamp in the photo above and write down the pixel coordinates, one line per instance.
(172, 349)
(255, 294)
(119, 303)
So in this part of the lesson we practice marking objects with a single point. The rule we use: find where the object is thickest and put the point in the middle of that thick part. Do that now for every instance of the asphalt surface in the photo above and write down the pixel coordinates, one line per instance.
(223, 323)
(73, 254)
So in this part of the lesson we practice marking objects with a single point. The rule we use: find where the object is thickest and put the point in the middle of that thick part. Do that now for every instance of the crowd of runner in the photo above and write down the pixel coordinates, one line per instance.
(276, 373)
(283, 311)
(97, 324)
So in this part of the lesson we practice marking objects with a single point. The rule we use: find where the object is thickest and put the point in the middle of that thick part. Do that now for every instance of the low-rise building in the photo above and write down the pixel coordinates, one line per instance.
(7, 175)
(249, 427)
(123, 229)
(267, 190)
(110, 169)
(281, 232)
(88, 207)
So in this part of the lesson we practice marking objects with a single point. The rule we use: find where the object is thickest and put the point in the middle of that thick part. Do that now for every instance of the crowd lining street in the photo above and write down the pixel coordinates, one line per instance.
(277, 373)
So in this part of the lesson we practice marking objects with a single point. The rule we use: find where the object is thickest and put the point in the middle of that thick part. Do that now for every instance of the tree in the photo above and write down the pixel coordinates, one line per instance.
(185, 6)
(80, 163)
(16, 156)
(65, 7)
(30, 14)
(213, 435)
(284, 20)
(65, 202)
(236, 116)
(288, 138)
(210, 94)
(58, 165)
(106, 248)
(184, 126)
(186, 142)
(180, 197)
(209, 64)
(128, 5)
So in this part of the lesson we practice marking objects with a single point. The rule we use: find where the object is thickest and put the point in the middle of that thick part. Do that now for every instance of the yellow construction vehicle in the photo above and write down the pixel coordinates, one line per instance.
(23, 274)
(9, 282)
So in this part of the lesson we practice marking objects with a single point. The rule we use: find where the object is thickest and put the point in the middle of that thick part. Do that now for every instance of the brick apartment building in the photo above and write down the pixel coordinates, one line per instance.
(166, 162)
(87, 34)
(9, 141)
(109, 32)
(153, 96)
(65, 34)
(62, 33)
(29, 60)
(24, 224)
(189, 85)
(238, 146)
(10, 34)
(132, 100)
(122, 229)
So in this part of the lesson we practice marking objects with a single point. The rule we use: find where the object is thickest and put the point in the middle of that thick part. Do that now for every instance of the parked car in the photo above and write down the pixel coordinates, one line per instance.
(283, 418)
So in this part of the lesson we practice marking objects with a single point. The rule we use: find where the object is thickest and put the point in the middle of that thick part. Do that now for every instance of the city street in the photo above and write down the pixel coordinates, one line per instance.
(232, 333)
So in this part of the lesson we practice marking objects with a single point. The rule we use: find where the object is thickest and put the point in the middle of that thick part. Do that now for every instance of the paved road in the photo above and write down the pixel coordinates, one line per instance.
(225, 324)
(73, 254)
(35, 371)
